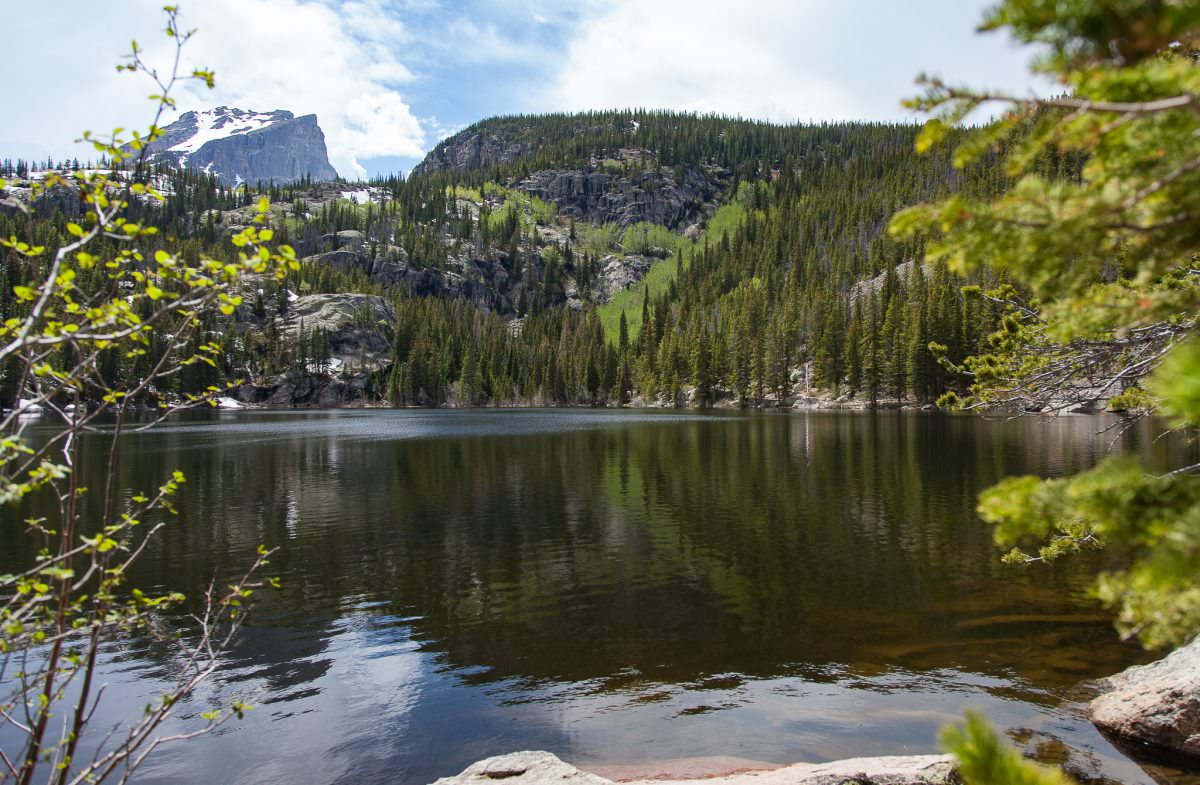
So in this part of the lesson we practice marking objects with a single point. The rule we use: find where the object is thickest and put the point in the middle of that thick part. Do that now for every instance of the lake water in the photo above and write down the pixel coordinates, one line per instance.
(614, 587)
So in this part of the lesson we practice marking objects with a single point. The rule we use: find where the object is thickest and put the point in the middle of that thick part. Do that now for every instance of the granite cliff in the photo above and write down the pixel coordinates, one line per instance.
(239, 146)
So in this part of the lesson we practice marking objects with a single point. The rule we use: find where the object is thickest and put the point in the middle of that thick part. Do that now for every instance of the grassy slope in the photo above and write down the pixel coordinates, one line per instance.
(609, 239)
(662, 273)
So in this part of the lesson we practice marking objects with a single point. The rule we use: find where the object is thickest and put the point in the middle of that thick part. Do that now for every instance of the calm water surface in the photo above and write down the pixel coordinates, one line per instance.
(614, 587)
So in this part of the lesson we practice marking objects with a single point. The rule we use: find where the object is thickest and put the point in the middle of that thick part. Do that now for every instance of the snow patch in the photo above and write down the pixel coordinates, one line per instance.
(361, 196)
(225, 402)
(222, 123)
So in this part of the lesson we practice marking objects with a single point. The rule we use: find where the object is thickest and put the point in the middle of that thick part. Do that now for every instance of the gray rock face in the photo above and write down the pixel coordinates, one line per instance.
(618, 273)
(479, 150)
(656, 195)
(308, 390)
(239, 146)
(59, 198)
(543, 768)
(480, 281)
(1157, 705)
(601, 197)
(360, 326)
(873, 286)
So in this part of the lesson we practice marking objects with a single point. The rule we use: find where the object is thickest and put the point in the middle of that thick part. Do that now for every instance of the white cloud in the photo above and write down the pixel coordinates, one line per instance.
(361, 65)
(308, 57)
(781, 60)
(701, 55)
(471, 41)
(301, 55)
(377, 124)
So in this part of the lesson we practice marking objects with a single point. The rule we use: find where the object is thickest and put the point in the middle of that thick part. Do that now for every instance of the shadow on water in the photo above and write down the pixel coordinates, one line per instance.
(617, 586)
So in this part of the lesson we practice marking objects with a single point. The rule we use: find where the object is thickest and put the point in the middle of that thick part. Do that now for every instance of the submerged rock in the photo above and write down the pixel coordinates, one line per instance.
(543, 768)
(1155, 705)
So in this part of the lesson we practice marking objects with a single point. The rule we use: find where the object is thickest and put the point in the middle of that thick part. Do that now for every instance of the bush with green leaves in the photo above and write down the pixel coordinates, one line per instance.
(1101, 281)
(92, 345)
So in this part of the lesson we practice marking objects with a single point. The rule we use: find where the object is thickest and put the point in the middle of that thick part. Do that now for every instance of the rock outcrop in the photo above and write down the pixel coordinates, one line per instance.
(600, 197)
(359, 326)
(873, 286)
(478, 149)
(481, 281)
(240, 146)
(360, 329)
(309, 390)
(543, 768)
(19, 198)
(621, 186)
(618, 273)
(1156, 705)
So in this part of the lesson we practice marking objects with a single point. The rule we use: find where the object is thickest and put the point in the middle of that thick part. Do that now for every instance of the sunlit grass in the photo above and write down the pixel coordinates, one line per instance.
(663, 271)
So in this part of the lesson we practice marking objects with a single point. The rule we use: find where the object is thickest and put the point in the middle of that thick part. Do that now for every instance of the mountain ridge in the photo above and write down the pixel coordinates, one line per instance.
(665, 258)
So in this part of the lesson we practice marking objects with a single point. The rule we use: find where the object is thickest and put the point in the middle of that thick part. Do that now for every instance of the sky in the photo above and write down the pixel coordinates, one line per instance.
(388, 79)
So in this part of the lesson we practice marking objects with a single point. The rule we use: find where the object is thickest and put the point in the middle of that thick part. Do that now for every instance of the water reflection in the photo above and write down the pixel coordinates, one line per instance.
(616, 587)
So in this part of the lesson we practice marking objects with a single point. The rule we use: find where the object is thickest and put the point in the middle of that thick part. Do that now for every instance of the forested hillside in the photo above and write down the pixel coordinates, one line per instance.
(651, 257)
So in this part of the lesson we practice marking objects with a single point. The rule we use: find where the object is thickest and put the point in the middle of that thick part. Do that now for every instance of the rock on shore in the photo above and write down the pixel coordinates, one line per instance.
(1155, 705)
(544, 768)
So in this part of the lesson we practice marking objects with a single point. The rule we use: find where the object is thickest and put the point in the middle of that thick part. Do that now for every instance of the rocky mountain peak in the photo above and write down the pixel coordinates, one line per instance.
(240, 145)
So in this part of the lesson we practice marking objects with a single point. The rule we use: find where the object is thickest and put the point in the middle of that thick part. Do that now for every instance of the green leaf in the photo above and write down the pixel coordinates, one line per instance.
(983, 759)
(934, 131)
(1177, 383)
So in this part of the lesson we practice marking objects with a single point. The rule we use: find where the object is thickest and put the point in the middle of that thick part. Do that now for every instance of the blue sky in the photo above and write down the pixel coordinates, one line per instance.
(388, 78)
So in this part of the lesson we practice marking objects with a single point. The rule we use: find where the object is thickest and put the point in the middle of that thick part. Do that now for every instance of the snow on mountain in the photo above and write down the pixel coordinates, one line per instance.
(221, 123)
(238, 145)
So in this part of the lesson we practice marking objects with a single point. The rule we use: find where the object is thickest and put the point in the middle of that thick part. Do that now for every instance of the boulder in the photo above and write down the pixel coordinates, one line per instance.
(524, 767)
(891, 770)
(1155, 705)
(543, 768)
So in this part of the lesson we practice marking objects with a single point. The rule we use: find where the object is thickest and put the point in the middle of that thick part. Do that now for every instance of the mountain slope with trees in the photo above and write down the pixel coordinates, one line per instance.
(600, 258)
